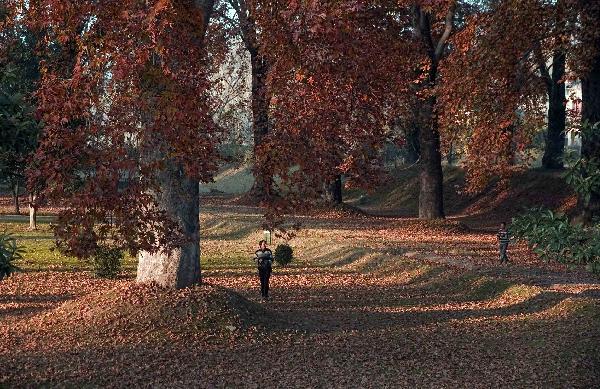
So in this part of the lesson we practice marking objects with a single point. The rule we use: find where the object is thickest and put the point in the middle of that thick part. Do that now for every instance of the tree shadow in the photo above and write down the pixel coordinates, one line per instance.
(341, 257)
(32, 298)
(329, 317)
(30, 304)
(212, 233)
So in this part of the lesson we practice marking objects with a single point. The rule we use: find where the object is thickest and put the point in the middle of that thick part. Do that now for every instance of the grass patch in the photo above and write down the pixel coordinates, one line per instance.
(40, 253)
(521, 291)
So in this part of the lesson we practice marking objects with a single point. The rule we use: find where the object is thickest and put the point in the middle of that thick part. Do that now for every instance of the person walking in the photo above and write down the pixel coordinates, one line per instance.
(503, 240)
(264, 262)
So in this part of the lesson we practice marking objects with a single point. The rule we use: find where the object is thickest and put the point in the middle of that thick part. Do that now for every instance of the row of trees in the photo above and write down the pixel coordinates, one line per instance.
(126, 95)
(18, 127)
(467, 69)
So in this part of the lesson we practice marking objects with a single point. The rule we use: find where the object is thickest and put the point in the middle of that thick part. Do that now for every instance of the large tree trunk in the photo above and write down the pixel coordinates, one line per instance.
(260, 116)
(333, 192)
(431, 177)
(590, 110)
(413, 149)
(180, 199)
(250, 35)
(16, 198)
(557, 115)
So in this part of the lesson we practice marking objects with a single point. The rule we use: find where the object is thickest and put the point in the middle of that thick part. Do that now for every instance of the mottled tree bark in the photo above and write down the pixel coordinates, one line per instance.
(179, 198)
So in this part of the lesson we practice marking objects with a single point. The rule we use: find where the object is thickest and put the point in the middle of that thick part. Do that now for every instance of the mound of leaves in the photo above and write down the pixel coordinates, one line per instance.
(139, 313)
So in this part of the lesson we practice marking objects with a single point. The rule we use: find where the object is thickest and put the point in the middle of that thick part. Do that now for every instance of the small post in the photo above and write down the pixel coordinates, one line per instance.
(267, 236)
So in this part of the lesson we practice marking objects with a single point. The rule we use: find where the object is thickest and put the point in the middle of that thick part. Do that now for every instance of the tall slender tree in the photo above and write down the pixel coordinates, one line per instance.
(434, 46)
(250, 33)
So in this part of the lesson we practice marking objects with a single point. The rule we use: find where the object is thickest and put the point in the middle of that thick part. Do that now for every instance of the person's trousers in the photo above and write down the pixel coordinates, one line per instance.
(503, 252)
(264, 274)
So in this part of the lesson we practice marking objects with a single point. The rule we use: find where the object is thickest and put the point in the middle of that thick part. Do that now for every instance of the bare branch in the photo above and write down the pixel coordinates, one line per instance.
(449, 25)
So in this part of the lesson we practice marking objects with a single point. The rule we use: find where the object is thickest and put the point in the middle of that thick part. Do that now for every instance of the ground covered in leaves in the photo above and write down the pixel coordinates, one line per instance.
(369, 302)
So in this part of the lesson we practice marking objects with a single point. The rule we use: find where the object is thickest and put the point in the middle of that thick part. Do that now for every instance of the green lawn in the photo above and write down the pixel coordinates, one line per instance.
(41, 254)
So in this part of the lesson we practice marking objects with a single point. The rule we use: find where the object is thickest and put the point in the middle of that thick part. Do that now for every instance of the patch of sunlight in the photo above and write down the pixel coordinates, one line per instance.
(575, 306)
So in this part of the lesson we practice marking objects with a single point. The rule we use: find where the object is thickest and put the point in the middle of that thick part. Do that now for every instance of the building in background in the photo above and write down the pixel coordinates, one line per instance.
(572, 138)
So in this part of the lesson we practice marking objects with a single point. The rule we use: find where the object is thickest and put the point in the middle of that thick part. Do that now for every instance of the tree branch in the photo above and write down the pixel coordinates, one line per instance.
(207, 7)
(541, 64)
(449, 25)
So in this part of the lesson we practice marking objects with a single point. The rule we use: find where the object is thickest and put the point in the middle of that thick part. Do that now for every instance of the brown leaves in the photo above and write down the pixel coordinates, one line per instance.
(385, 300)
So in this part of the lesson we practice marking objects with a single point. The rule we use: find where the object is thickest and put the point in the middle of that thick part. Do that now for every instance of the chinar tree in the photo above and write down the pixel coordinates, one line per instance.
(128, 135)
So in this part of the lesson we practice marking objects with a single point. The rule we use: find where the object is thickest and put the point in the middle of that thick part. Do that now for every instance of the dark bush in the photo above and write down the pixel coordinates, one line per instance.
(9, 252)
(107, 262)
(284, 254)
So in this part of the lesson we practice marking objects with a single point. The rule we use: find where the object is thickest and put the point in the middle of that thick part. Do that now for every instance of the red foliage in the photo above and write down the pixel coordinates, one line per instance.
(340, 75)
(124, 89)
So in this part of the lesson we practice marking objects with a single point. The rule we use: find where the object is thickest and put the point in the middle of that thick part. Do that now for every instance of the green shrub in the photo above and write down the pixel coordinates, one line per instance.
(551, 236)
(284, 254)
(9, 252)
(107, 262)
(584, 174)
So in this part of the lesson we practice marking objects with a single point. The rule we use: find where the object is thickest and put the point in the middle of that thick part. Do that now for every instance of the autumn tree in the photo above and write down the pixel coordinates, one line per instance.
(330, 106)
(432, 28)
(493, 96)
(417, 38)
(128, 133)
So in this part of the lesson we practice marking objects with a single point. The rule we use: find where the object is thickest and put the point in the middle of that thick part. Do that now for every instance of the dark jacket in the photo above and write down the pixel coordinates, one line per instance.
(264, 258)
(503, 237)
